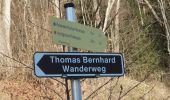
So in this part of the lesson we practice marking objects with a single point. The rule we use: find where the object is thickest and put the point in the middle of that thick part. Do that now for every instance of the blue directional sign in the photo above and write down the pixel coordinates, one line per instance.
(50, 64)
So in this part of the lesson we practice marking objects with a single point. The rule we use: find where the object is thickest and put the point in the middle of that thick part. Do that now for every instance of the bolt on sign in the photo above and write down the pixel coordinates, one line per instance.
(77, 35)
(79, 65)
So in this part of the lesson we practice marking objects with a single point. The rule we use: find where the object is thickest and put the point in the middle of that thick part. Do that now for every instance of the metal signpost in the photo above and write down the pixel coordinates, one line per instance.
(75, 83)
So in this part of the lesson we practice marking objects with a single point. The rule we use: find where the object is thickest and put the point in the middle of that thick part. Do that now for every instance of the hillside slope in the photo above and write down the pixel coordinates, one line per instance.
(12, 90)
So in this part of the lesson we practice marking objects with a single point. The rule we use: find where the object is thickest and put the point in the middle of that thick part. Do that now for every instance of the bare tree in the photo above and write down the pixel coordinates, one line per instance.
(5, 19)
(96, 12)
(153, 11)
(116, 33)
(107, 15)
(165, 22)
(140, 12)
(57, 10)
(5, 27)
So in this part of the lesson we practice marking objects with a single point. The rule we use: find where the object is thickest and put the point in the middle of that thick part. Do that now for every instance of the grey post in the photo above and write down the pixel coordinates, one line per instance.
(75, 83)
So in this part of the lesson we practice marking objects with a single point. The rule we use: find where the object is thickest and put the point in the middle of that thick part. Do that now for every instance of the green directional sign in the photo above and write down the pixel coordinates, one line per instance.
(78, 35)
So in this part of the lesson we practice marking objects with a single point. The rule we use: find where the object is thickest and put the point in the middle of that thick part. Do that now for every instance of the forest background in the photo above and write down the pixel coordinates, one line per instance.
(140, 29)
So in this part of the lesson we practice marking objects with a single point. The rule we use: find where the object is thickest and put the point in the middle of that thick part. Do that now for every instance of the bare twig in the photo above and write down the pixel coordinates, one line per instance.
(58, 7)
(39, 26)
(111, 89)
(58, 81)
(133, 88)
(67, 90)
(153, 11)
(15, 67)
(147, 92)
(50, 89)
(27, 66)
(121, 91)
(98, 6)
(140, 12)
(99, 88)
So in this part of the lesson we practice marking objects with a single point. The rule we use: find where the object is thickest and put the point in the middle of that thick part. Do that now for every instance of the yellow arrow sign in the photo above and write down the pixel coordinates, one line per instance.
(78, 35)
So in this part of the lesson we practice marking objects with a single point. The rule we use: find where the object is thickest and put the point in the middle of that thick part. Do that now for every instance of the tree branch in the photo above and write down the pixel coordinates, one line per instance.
(133, 87)
(147, 92)
(153, 11)
(99, 88)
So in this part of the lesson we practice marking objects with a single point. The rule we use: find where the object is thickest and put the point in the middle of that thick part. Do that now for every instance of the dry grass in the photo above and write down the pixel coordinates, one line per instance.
(17, 90)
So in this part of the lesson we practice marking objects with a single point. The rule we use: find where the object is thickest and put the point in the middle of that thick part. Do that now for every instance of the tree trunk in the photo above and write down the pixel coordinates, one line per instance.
(153, 11)
(97, 14)
(116, 36)
(166, 25)
(5, 48)
(58, 14)
(140, 12)
(107, 15)
(57, 10)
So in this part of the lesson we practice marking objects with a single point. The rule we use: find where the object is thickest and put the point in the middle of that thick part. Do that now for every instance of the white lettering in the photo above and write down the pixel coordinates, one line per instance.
(98, 60)
(52, 59)
(82, 68)
(66, 68)
(56, 59)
